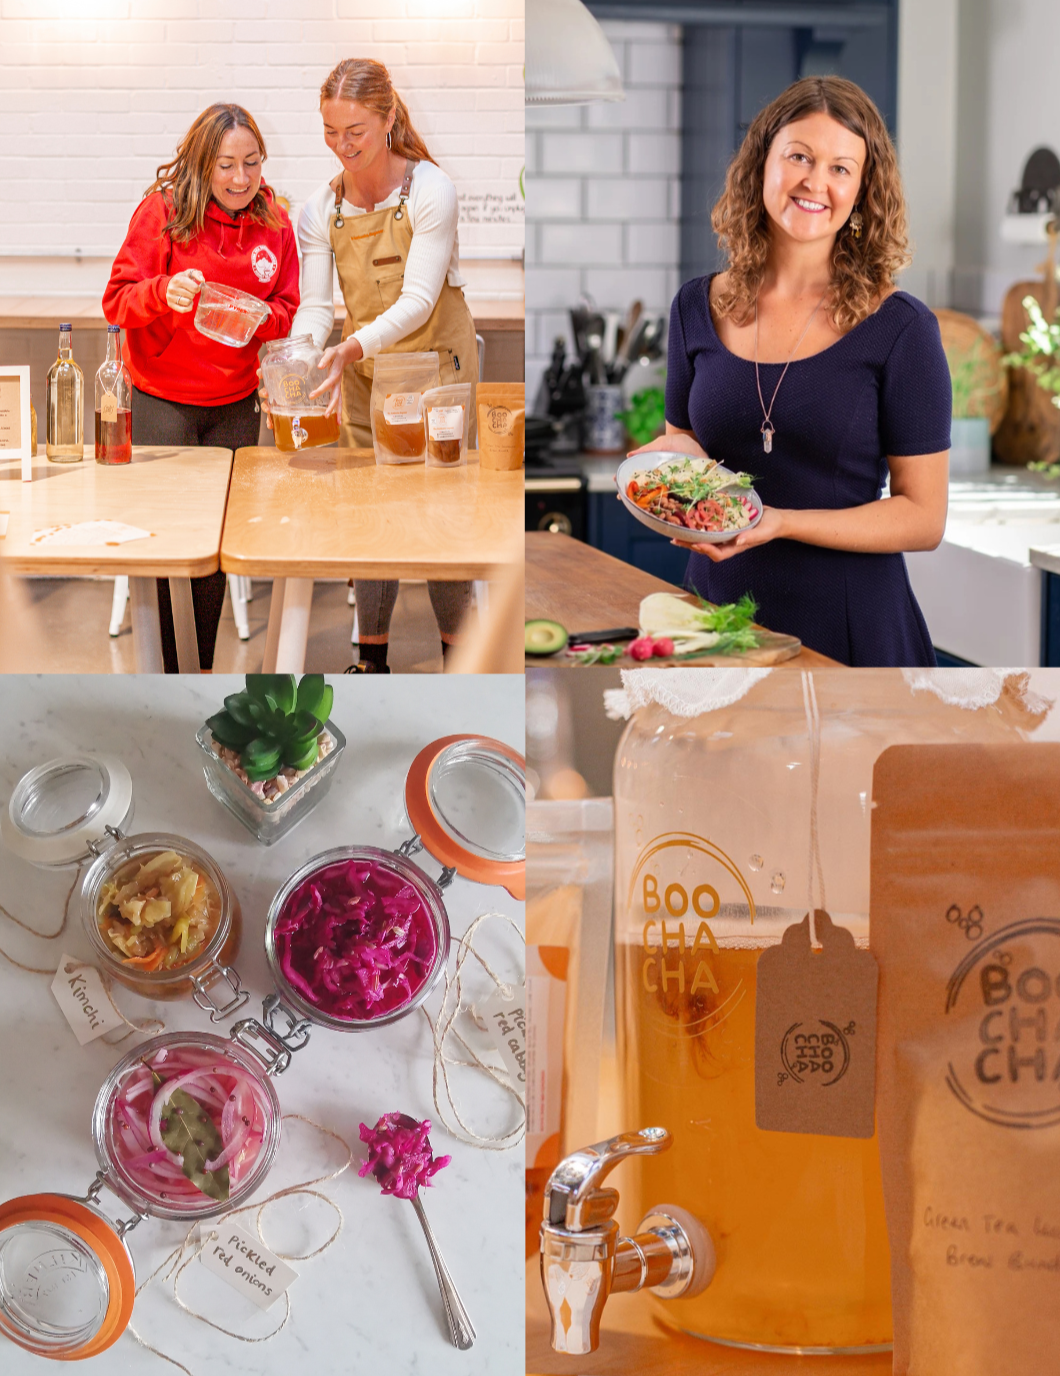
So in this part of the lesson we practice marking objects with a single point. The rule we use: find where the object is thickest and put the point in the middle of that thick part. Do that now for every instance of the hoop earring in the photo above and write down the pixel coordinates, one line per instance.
(389, 143)
(856, 224)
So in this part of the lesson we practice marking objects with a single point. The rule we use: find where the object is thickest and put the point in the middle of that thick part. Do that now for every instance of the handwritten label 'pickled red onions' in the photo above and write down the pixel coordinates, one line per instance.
(244, 1262)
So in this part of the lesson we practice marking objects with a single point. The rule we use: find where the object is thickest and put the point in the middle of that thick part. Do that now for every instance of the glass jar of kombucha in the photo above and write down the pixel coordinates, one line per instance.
(712, 844)
(291, 371)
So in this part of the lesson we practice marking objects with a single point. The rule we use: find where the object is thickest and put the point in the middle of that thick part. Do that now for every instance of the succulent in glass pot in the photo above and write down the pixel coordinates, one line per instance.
(269, 748)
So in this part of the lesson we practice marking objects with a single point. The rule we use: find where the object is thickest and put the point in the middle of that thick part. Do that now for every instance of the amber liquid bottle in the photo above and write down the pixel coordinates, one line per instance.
(113, 404)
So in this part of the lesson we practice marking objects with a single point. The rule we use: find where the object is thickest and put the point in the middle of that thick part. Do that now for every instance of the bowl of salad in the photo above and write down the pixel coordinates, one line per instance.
(688, 498)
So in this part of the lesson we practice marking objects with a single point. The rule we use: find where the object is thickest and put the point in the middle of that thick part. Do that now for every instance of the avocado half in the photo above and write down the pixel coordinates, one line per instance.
(545, 637)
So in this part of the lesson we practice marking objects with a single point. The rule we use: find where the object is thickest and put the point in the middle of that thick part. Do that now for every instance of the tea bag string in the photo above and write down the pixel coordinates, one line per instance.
(445, 1027)
(813, 725)
(178, 1261)
(151, 1026)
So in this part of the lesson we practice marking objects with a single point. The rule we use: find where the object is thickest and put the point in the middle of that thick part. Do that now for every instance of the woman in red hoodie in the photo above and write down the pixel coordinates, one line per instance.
(208, 217)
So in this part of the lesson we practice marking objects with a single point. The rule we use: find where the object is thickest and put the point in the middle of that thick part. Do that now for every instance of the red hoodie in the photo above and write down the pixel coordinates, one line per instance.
(165, 353)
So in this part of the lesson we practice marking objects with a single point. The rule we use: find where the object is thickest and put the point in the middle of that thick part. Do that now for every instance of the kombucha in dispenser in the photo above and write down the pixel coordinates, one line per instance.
(745, 1008)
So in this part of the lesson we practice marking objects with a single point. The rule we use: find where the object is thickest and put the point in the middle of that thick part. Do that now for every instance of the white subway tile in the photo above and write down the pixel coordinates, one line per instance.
(567, 117)
(552, 288)
(643, 108)
(654, 153)
(654, 245)
(675, 198)
(627, 198)
(582, 244)
(615, 288)
(554, 198)
(589, 152)
(654, 64)
(640, 31)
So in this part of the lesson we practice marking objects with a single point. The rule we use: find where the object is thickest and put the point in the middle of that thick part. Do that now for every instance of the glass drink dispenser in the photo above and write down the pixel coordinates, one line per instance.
(716, 810)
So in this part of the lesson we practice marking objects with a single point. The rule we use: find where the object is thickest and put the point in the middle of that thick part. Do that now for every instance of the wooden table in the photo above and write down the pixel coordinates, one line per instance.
(336, 513)
(584, 589)
(178, 494)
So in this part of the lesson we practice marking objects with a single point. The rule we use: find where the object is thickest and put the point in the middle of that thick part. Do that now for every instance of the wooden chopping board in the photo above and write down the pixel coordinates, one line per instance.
(773, 648)
(1030, 429)
(966, 341)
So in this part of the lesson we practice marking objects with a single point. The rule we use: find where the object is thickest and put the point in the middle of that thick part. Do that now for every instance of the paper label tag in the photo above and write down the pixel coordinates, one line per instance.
(244, 1261)
(79, 992)
(546, 1010)
(108, 408)
(403, 408)
(815, 1034)
(445, 422)
(506, 1019)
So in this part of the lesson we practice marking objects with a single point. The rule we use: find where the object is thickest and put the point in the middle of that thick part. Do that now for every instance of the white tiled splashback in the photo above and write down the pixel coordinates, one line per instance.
(95, 94)
(603, 194)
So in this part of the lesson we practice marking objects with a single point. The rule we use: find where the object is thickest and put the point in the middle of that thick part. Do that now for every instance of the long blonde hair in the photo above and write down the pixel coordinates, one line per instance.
(369, 84)
(862, 269)
(185, 181)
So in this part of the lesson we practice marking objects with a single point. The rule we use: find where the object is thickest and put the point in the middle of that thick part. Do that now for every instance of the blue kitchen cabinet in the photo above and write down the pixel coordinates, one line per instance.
(613, 529)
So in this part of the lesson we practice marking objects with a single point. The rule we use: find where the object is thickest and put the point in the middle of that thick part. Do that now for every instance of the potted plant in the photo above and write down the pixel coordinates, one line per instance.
(1040, 356)
(271, 751)
(974, 389)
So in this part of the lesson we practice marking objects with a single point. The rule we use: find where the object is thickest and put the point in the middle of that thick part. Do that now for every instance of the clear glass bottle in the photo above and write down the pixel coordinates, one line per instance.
(113, 404)
(712, 829)
(66, 404)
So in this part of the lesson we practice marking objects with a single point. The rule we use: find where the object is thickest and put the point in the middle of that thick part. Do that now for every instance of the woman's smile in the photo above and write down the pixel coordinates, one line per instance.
(811, 207)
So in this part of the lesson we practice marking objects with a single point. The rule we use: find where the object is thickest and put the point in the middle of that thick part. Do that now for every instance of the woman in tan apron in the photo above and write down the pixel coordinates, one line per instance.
(400, 295)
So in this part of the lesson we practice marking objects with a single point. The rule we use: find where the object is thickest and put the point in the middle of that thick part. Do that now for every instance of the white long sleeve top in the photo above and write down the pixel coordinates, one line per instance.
(434, 258)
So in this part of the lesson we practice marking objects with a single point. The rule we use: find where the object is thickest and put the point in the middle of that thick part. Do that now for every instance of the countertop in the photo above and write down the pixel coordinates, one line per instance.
(371, 1301)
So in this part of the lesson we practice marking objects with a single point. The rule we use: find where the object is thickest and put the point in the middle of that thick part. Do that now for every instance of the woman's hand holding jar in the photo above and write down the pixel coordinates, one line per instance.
(335, 360)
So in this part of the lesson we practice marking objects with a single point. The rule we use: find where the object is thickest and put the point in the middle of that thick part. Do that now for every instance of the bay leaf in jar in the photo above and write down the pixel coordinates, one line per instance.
(189, 1132)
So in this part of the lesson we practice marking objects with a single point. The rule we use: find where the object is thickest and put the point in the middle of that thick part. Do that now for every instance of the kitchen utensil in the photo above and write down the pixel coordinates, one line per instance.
(603, 637)
(640, 463)
(461, 1330)
(229, 316)
(621, 361)
(648, 343)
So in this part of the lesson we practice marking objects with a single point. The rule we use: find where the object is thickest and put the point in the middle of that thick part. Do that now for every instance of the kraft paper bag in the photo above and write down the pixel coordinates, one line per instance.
(501, 425)
(965, 925)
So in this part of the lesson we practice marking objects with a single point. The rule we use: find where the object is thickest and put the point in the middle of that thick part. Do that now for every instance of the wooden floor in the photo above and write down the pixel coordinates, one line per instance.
(70, 616)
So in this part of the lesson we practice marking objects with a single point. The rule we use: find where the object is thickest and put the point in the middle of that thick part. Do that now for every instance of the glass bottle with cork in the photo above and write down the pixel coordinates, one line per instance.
(113, 404)
(65, 404)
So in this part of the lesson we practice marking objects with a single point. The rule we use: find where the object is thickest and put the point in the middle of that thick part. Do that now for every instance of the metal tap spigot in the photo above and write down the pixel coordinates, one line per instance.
(583, 1259)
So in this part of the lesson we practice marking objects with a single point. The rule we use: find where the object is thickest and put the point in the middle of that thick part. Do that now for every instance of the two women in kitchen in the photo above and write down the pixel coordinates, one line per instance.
(208, 216)
(388, 223)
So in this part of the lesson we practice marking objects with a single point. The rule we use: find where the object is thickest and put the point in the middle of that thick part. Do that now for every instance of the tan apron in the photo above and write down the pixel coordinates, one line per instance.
(371, 251)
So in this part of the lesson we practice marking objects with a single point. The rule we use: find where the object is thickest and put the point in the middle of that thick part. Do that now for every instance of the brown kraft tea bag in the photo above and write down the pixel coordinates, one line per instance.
(501, 425)
(965, 926)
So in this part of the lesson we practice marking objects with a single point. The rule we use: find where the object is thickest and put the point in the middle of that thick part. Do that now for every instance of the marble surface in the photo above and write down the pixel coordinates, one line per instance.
(371, 1300)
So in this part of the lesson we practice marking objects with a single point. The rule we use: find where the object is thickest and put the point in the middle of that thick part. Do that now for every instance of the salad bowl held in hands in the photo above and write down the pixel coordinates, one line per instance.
(692, 499)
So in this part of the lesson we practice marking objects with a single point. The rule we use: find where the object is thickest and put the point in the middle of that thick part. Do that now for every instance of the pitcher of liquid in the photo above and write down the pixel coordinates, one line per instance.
(716, 809)
(291, 370)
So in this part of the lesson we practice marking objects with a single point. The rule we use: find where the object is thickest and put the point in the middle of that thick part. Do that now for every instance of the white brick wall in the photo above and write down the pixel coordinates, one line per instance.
(603, 194)
(95, 94)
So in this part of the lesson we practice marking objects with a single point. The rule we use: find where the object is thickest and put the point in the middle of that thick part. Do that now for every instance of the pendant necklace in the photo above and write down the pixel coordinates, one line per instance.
(767, 425)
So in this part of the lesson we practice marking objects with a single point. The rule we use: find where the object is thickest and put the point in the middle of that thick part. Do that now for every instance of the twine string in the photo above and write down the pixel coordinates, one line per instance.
(813, 725)
(173, 1266)
(44, 936)
(445, 1028)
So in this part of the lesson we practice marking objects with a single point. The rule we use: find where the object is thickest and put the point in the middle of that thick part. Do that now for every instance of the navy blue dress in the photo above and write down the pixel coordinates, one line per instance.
(883, 389)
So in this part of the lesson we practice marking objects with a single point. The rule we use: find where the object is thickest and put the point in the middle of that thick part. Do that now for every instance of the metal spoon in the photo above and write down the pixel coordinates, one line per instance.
(461, 1330)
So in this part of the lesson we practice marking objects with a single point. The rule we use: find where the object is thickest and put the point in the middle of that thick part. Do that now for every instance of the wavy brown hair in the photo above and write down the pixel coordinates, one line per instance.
(185, 182)
(369, 84)
(862, 269)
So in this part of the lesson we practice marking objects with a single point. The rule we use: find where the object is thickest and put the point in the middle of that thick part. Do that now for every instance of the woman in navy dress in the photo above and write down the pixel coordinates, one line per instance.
(804, 366)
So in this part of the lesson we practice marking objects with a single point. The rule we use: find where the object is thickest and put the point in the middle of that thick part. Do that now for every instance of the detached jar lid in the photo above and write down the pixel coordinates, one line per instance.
(66, 1279)
(466, 798)
(61, 810)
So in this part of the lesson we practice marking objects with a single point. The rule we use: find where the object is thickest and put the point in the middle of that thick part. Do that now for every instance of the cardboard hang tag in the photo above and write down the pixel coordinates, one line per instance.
(80, 993)
(108, 408)
(244, 1261)
(505, 1016)
(815, 1033)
